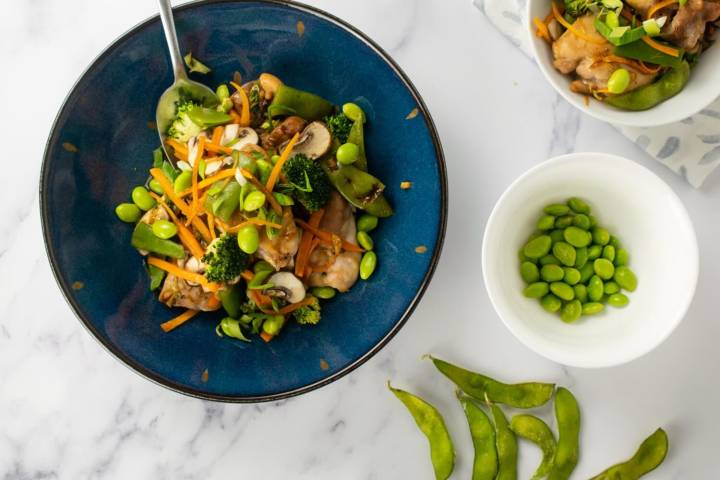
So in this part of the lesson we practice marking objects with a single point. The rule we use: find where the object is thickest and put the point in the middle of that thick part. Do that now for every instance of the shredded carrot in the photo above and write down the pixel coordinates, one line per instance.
(222, 174)
(214, 302)
(179, 149)
(184, 207)
(215, 148)
(290, 308)
(195, 169)
(541, 29)
(637, 65)
(266, 336)
(249, 221)
(281, 161)
(327, 237)
(179, 320)
(259, 298)
(245, 113)
(247, 275)
(268, 194)
(217, 135)
(186, 236)
(650, 70)
(575, 31)
(659, 6)
(235, 116)
(173, 269)
(306, 243)
(211, 225)
(673, 52)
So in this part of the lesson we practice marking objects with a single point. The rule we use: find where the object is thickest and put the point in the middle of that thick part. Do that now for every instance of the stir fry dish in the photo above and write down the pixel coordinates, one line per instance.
(265, 210)
(631, 54)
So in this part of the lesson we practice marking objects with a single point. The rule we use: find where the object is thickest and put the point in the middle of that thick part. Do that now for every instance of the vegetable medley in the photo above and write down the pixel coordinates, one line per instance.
(632, 54)
(256, 213)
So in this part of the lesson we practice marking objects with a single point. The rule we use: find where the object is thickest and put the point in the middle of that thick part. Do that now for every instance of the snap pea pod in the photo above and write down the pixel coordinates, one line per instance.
(156, 276)
(361, 189)
(535, 430)
(357, 136)
(506, 443)
(642, 51)
(224, 203)
(567, 414)
(432, 425)
(291, 101)
(208, 117)
(648, 457)
(231, 299)
(143, 238)
(521, 395)
(644, 98)
(485, 464)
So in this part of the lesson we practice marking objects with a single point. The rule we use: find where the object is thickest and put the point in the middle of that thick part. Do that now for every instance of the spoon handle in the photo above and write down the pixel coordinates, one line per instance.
(169, 27)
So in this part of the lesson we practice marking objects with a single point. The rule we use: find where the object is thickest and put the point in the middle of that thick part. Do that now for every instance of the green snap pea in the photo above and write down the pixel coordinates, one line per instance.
(222, 92)
(581, 257)
(595, 289)
(536, 290)
(325, 293)
(564, 221)
(365, 240)
(562, 291)
(143, 238)
(625, 278)
(567, 414)
(552, 273)
(506, 443)
(572, 275)
(578, 205)
(600, 236)
(649, 456)
(367, 265)
(582, 221)
(156, 277)
(141, 197)
(481, 387)
(536, 431)
(586, 272)
(128, 212)
(248, 239)
(264, 168)
(263, 266)
(182, 182)
(353, 112)
(551, 303)
(546, 222)
(538, 247)
(577, 237)
(529, 272)
(347, 153)
(155, 186)
(611, 288)
(594, 251)
(581, 292)
(618, 300)
(565, 253)
(232, 298)
(432, 425)
(549, 259)
(591, 308)
(231, 328)
(622, 258)
(571, 311)
(604, 268)
(254, 201)
(556, 209)
(482, 432)
(367, 222)
(608, 253)
(164, 229)
(648, 96)
(557, 236)
(258, 280)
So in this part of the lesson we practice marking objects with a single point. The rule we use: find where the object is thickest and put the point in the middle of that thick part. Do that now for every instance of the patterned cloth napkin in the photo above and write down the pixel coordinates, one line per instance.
(690, 148)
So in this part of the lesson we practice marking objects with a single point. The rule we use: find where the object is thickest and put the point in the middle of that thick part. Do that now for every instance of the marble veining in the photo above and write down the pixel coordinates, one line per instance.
(68, 410)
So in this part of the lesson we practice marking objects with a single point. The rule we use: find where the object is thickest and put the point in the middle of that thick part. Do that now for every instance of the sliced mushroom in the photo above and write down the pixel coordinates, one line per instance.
(247, 136)
(314, 142)
(230, 133)
(286, 286)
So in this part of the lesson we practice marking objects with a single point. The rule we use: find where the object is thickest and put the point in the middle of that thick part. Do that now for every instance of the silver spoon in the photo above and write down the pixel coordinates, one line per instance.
(166, 108)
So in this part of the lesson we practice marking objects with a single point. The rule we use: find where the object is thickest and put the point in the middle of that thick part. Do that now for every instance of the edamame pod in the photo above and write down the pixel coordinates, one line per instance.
(485, 464)
(535, 430)
(506, 444)
(432, 425)
(648, 457)
(481, 387)
(567, 414)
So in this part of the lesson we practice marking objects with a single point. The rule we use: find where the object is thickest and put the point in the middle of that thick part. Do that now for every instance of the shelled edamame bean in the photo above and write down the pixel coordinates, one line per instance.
(573, 265)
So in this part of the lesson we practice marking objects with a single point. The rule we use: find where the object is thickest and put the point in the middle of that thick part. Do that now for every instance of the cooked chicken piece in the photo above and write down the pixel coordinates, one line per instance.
(176, 292)
(569, 50)
(155, 213)
(689, 24)
(280, 251)
(343, 271)
(283, 132)
(594, 75)
(642, 6)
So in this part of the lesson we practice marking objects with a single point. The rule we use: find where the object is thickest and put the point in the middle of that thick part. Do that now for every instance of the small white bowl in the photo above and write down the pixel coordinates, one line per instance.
(702, 89)
(651, 223)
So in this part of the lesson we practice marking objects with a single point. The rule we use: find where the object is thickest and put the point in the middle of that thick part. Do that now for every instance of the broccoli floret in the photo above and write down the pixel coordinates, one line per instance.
(339, 126)
(308, 182)
(182, 128)
(224, 260)
(578, 8)
(308, 314)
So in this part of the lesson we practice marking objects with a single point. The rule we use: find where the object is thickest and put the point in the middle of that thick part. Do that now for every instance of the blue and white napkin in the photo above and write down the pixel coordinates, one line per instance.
(690, 148)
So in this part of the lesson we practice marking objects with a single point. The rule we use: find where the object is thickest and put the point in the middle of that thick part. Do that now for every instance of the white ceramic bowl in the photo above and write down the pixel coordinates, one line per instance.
(702, 89)
(647, 217)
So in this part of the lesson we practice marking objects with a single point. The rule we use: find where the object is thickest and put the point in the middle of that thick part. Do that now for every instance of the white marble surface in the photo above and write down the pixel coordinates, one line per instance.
(68, 410)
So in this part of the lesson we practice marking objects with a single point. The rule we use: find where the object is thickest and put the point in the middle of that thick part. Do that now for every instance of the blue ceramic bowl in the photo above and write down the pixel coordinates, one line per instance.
(100, 147)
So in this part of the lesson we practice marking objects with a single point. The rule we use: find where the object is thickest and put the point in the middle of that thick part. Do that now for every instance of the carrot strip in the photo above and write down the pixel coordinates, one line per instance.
(222, 174)
(214, 302)
(259, 298)
(184, 207)
(235, 116)
(247, 275)
(650, 70)
(659, 6)
(179, 149)
(173, 269)
(179, 320)
(195, 170)
(266, 336)
(249, 221)
(638, 65)
(245, 113)
(186, 236)
(290, 308)
(327, 237)
(574, 30)
(268, 195)
(217, 135)
(661, 48)
(281, 161)
(211, 225)
(541, 30)
(306, 243)
(215, 148)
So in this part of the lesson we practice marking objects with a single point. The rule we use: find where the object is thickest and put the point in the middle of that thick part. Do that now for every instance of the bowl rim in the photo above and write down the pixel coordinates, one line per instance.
(138, 368)
(564, 359)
